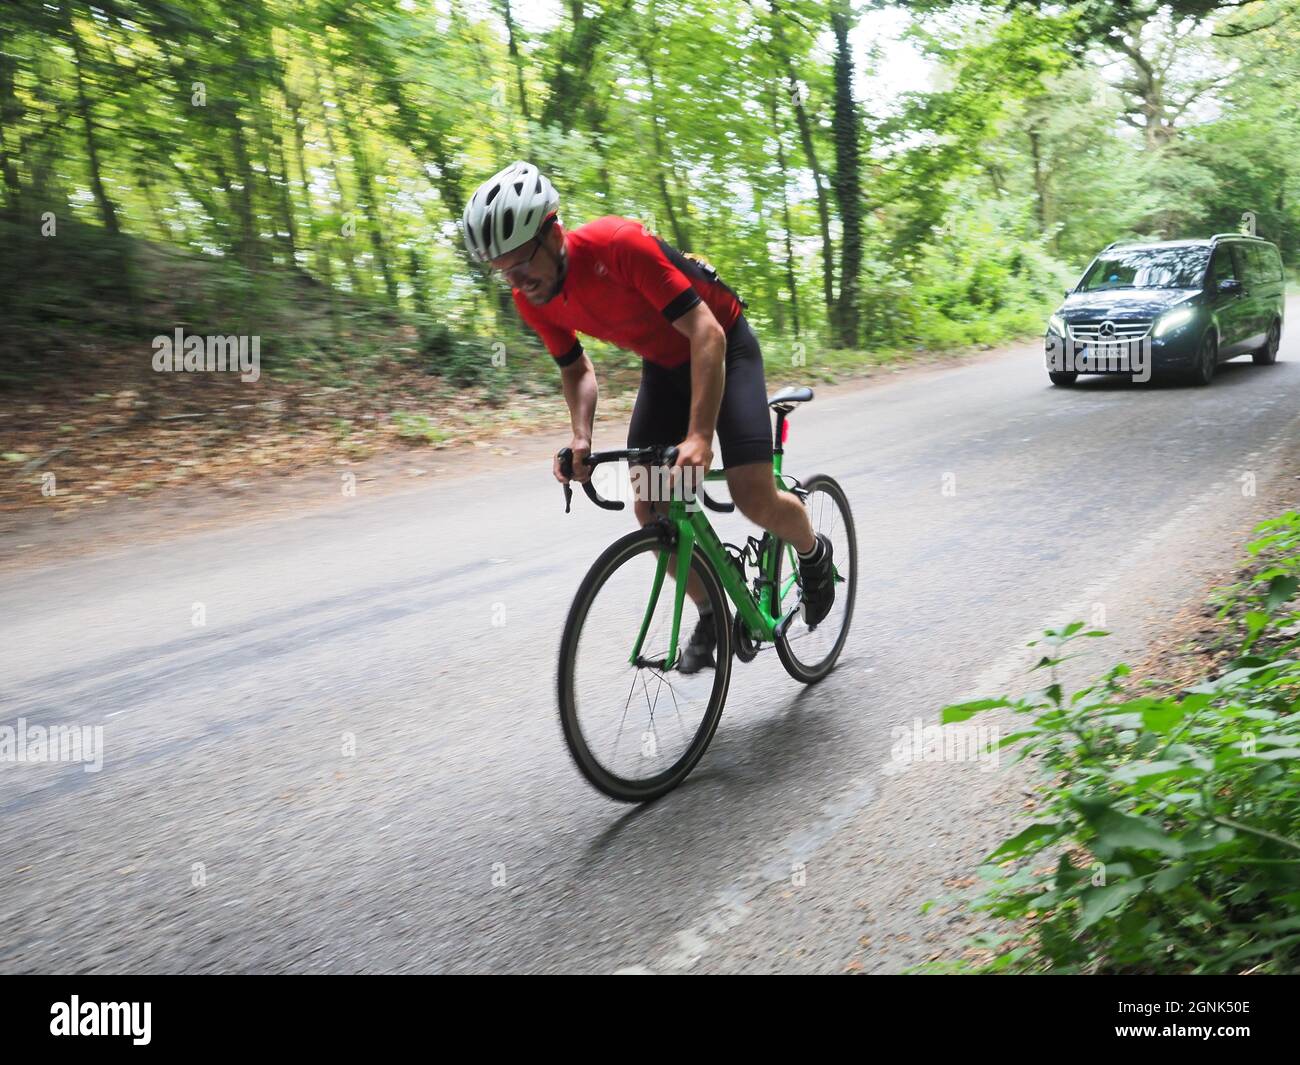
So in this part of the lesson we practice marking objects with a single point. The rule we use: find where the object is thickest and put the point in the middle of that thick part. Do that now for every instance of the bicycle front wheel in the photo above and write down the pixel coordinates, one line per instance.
(637, 728)
(809, 654)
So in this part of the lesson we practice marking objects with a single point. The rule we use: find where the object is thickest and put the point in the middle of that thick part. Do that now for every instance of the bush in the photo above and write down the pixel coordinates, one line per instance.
(459, 360)
(976, 281)
(1169, 836)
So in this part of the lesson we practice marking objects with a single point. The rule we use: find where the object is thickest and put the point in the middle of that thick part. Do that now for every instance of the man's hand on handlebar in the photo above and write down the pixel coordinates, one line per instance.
(565, 463)
(695, 452)
(581, 471)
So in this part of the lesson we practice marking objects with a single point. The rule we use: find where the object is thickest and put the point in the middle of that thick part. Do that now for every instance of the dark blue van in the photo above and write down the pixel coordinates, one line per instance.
(1181, 306)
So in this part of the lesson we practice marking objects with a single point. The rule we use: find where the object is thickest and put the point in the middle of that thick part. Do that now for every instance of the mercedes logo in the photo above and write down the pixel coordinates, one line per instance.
(1107, 329)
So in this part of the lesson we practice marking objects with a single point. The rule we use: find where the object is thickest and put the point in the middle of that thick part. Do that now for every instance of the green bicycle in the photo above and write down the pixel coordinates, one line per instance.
(635, 724)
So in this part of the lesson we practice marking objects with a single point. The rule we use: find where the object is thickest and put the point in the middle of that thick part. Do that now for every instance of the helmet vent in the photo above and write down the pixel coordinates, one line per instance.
(492, 195)
(539, 184)
(519, 188)
(529, 216)
(508, 224)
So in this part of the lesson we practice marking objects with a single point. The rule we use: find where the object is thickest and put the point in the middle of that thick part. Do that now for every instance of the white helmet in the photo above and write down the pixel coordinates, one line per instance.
(507, 211)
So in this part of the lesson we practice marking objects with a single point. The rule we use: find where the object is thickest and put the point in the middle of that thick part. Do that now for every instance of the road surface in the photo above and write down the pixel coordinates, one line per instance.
(354, 763)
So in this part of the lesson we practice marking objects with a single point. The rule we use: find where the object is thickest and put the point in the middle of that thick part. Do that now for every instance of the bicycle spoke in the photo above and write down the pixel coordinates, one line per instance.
(672, 693)
(619, 735)
(616, 615)
(650, 710)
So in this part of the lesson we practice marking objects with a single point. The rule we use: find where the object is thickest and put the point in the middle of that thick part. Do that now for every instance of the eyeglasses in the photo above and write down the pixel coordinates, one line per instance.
(509, 274)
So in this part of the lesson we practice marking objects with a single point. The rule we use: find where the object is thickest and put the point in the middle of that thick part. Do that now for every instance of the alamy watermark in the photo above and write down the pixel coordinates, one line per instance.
(649, 484)
(30, 744)
(129, 1019)
(1106, 354)
(919, 742)
(208, 354)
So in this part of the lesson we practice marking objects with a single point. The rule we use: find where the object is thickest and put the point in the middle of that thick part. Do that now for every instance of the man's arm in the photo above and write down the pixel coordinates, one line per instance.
(708, 376)
(578, 379)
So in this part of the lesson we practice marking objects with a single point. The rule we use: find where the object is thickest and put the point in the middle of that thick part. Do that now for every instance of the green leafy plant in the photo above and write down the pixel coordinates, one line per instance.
(1168, 836)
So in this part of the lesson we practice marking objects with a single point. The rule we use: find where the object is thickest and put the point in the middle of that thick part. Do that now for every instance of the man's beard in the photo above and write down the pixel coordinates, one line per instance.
(562, 271)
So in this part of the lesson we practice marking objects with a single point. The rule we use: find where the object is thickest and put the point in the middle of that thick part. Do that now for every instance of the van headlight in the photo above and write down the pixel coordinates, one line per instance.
(1173, 319)
(1056, 324)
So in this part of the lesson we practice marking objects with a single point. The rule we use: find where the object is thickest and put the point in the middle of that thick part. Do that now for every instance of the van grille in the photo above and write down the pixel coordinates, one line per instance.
(1127, 329)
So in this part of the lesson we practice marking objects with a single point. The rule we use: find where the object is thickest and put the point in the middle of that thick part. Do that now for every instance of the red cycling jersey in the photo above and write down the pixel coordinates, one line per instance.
(625, 286)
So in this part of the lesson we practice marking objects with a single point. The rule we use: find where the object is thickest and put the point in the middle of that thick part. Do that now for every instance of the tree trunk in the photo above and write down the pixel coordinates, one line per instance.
(107, 209)
(573, 63)
(368, 194)
(11, 111)
(294, 104)
(791, 282)
(249, 249)
(515, 59)
(417, 273)
(349, 257)
(680, 236)
(1040, 180)
(810, 152)
(848, 180)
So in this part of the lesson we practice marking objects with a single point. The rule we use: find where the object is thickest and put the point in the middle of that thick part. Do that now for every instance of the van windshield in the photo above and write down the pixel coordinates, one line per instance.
(1147, 268)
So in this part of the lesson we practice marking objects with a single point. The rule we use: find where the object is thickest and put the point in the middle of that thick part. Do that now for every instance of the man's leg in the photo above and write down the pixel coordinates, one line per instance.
(745, 430)
(660, 416)
(754, 491)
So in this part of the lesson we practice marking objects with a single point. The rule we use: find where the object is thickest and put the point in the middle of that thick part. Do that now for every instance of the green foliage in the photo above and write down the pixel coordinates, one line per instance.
(281, 154)
(419, 427)
(72, 284)
(1168, 836)
(973, 281)
(461, 360)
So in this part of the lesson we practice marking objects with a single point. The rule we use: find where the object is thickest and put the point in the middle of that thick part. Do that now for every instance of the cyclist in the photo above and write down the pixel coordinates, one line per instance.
(701, 370)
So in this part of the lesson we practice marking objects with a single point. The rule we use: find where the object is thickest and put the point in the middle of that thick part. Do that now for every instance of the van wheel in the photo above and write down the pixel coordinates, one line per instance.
(1062, 380)
(1207, 360)
(1267, 355)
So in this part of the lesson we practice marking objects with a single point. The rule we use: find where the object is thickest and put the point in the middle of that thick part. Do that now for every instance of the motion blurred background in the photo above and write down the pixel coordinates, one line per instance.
(876, 180)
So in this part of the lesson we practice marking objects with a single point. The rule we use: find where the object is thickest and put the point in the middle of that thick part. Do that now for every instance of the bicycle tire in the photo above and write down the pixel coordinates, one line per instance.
(618, 553)
(811, 673)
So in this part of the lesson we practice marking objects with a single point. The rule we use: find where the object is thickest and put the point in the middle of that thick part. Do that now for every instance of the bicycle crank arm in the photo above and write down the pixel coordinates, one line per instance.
(779, 629)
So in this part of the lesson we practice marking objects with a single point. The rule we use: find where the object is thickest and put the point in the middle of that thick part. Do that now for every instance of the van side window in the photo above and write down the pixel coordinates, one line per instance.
(1261, 263)
(1266, 261)
(1274, 258)
(1249, 264)
(1241, 261)
(1221, 266)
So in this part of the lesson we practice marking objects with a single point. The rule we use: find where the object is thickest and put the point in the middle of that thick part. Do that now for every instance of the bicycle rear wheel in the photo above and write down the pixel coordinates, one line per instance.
(636, 730)
(809, 654)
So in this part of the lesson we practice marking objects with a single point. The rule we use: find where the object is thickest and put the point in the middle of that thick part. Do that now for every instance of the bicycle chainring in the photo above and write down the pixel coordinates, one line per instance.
(745, 647)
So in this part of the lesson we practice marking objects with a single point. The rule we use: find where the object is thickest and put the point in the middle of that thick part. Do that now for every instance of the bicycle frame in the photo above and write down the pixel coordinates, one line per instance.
(757, 613)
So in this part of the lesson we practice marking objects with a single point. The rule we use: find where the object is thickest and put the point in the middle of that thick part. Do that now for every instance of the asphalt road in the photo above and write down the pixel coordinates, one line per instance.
(355, 764)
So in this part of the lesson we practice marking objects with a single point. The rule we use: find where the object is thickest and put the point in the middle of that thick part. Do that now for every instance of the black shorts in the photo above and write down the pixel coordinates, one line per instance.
(662, 413)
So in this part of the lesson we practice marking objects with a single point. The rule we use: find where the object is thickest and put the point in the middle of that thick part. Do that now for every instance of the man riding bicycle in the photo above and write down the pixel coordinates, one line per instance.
(702, 370)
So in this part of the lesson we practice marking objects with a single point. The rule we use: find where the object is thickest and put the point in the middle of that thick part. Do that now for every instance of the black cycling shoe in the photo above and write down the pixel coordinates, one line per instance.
(699, 651)
(818, 581)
